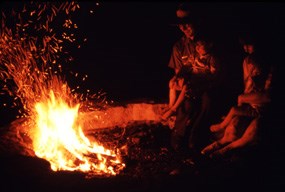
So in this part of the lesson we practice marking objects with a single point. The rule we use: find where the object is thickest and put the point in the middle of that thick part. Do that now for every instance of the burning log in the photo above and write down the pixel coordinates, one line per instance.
(19, 135)
(53, 120)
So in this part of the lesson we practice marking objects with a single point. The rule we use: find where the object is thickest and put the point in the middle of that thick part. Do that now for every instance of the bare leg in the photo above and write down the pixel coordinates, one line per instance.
(230, 135)
(248, 138)
(211, 148)
(231, 114)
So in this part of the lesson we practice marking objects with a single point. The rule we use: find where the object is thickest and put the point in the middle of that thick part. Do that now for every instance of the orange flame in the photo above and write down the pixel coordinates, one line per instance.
(26, 68)
(61, 141)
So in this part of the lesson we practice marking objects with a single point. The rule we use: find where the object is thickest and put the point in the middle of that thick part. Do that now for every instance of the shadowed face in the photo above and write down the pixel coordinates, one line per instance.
(248, 48)
(186, 28)
(201, 48)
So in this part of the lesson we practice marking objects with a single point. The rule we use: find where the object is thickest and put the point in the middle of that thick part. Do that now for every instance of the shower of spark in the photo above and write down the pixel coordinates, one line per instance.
(32, 56)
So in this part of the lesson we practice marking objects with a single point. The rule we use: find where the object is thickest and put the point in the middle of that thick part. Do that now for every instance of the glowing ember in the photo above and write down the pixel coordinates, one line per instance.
(30, 71)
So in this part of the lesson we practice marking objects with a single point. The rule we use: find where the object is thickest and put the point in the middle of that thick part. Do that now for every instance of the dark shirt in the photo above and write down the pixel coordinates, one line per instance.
(183, 53)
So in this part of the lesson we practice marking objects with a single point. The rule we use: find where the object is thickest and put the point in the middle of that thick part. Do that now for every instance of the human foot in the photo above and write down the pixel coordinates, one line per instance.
(210, 148)
(216, 127)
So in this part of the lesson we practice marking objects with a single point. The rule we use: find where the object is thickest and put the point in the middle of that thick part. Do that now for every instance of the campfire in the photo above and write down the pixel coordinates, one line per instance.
(59, 138)
(62, 135)
(53, 117)
(55, 123)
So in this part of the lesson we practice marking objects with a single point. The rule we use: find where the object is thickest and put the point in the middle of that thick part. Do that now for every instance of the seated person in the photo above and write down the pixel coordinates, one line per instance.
(241, 125)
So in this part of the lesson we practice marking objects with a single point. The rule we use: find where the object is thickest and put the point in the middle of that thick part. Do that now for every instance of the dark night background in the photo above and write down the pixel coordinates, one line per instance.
(129, 46)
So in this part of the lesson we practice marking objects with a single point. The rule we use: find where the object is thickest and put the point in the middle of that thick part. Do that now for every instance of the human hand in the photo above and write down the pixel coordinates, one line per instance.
(191, 59)
(168, 114)
(184, 59)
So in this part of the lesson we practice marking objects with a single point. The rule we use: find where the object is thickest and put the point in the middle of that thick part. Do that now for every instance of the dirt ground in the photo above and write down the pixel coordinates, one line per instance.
(150, 163)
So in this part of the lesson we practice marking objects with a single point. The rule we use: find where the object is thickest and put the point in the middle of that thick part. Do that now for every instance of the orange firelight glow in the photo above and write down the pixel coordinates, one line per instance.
(59, 139)
(31, 73)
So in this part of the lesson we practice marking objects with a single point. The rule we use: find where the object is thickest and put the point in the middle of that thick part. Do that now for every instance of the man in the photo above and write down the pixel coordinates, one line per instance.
(190, 131)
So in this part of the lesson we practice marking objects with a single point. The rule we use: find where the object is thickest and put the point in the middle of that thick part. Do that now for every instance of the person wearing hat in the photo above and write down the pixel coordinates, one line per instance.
(192, 106)
(182, 57)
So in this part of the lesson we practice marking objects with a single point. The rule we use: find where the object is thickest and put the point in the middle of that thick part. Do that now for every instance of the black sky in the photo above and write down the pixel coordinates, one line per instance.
(129, 43)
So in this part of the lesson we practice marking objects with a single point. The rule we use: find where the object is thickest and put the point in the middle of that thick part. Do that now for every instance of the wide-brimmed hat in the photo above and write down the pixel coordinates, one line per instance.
(182, 17)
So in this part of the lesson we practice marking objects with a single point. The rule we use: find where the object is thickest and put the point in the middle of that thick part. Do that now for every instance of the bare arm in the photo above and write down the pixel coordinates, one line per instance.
(179, 99)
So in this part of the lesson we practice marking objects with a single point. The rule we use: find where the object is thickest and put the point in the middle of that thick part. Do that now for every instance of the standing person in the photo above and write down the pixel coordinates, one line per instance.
(193, 59)
(183, 56)
(204, 65)
(241, 125)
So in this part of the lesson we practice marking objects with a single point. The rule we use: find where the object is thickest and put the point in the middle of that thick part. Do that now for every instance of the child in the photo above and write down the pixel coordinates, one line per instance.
(251, 106)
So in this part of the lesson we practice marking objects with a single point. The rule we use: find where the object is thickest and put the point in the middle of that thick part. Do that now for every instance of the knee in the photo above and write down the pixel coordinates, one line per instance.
(234, 110)
(229, 137)
(235, 122)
